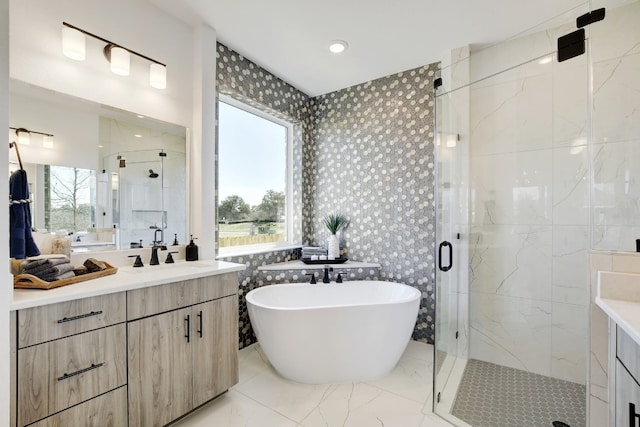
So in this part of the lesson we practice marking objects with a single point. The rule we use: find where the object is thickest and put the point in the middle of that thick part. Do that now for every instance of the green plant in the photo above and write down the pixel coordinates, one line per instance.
(335, 222)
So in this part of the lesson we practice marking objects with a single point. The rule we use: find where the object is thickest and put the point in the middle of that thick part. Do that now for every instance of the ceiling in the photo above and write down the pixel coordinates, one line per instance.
(290, 38)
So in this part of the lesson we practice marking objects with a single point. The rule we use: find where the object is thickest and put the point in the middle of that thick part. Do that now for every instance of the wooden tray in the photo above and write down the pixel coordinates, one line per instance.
(29, 281)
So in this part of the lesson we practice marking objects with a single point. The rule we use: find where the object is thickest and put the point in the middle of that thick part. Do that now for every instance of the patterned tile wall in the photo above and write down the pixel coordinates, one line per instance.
(371, 158)
(366, 151)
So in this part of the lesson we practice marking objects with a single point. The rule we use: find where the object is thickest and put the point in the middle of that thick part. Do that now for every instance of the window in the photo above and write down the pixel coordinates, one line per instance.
(69, 198)
(254, 180)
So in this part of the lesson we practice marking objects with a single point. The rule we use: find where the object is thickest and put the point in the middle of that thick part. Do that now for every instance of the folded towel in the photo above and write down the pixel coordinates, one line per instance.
(33, 264)
(66, 275)
(47, 273)
(49, 268)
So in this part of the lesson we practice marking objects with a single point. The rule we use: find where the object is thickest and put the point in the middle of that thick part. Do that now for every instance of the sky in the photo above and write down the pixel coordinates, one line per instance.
(252, 155)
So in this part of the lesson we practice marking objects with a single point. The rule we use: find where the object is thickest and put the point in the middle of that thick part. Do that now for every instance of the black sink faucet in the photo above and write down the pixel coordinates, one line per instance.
(325, 277)
(154, 254)
(157, 241)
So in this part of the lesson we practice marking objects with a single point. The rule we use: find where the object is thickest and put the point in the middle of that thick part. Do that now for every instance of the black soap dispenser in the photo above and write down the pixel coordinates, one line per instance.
(191, 250)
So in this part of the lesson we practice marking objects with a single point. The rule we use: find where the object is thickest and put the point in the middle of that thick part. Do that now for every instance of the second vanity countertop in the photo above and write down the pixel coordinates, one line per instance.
(125, 279)
(619, 297)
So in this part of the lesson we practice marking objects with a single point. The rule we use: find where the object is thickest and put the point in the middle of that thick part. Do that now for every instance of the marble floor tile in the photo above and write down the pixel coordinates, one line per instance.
(419, 350)
(262, 398)
(360, 404)
(411, 378)
(252, 362)
(291, 399)
(234, 409)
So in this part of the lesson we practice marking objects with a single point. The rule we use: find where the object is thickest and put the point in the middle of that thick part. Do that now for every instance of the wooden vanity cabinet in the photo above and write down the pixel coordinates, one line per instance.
(68, 354)
(140, 358)
(625, 400)
(183, 352)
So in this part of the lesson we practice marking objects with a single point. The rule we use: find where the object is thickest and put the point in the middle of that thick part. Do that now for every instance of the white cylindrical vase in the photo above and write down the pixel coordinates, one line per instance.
(333, 247)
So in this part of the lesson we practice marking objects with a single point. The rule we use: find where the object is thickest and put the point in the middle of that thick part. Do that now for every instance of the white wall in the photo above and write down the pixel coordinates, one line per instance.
(5, 294)
(76, 133)
(36, 57)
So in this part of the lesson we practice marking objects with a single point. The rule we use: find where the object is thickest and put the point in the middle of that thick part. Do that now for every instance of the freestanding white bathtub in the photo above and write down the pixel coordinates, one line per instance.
(330, 333)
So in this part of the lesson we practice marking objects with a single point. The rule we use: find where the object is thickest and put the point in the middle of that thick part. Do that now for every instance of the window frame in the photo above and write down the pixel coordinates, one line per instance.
(227, 251)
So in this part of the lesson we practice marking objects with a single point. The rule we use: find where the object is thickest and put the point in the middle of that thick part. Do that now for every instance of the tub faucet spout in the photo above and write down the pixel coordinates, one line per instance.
(325, 277)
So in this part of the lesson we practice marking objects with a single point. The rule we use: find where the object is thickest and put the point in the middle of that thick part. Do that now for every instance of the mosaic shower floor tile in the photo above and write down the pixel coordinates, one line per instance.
(496, 396)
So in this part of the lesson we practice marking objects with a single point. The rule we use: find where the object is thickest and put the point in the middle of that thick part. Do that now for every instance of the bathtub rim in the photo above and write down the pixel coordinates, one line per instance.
(417, 295)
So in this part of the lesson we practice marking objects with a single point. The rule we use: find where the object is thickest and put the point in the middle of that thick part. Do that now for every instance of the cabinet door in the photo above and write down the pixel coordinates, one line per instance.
(160, 368)
(627, 394)
(215, 348)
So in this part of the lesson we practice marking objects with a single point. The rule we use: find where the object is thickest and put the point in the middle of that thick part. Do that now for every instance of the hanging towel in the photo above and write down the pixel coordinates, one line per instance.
(21, 243)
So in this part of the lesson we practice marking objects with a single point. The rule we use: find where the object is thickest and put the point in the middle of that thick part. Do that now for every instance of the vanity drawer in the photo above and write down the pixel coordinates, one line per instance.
(628, 352)
(58, 374)
(162, 298)
(108, 410)
(40, 324)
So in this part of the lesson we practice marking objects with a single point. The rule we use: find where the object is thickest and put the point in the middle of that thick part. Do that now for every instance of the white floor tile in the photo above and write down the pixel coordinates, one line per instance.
(357, 405)
(235, 410)
(252, 362)
(264, 399)
(432, 420)
(411, 378)
(294, 400)
(419, 350)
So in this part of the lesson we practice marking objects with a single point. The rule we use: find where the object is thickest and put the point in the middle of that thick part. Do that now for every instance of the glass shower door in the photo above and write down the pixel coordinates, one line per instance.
(451, 226)
(513, 198)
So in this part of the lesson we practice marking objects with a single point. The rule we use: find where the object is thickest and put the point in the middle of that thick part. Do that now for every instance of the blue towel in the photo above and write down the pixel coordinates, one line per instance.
(21, 243)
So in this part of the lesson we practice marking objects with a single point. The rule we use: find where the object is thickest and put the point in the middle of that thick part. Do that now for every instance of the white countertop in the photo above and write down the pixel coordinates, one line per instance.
(299, 265)
(125, 279)
(619, 297)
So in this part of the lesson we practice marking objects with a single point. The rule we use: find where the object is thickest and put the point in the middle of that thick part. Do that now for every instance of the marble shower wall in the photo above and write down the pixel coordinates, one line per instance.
(530, 211)
(616, 129)
(365, 151)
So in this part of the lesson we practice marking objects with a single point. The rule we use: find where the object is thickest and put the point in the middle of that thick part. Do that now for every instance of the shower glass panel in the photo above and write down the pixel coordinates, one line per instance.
(148, 201)
(615, 51)
(513, 203)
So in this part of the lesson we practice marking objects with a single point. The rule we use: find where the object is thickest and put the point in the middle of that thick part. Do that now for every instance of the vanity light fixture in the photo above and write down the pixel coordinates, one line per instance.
(73, 46)
(338, 46)
(24, 136)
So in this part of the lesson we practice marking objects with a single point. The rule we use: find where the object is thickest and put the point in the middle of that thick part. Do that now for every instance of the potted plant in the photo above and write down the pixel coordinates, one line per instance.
(334, 223)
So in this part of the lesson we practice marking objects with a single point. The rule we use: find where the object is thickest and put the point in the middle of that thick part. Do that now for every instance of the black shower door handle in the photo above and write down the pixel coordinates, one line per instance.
(444, 245)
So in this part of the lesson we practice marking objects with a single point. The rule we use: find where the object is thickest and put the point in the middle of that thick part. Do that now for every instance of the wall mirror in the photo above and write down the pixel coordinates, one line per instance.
(110, 178)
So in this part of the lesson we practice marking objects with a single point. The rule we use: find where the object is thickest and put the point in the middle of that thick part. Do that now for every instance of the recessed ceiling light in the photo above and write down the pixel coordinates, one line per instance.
(137, 135)
(338, 46)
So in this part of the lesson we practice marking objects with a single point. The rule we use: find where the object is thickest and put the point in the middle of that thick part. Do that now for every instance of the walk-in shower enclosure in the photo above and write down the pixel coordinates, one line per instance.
(534, 169)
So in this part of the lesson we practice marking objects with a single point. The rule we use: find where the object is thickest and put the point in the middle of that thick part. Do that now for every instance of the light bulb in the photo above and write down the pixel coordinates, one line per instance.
(24, 138)
(73, 44)
(338, 46)
(120, 59)
(158, 76)
(47, 141)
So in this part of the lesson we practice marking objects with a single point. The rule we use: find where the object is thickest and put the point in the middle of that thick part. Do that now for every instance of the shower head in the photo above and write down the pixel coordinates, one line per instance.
(152, 174)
